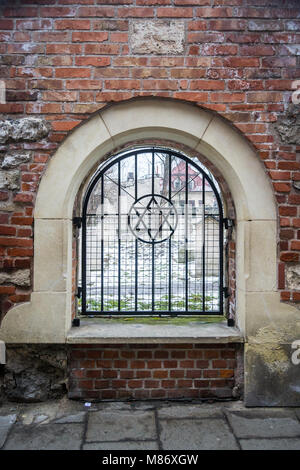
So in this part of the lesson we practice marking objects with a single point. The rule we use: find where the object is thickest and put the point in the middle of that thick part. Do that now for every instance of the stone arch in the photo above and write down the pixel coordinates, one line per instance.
(47, 318)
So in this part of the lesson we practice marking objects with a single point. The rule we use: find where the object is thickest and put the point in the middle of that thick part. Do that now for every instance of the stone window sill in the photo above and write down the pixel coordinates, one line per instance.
(93, 330)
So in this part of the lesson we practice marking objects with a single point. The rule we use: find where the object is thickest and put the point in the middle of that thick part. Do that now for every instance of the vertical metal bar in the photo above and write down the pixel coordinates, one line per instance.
(119, 237)
(186, 236)
(83, 264)
(136, 241)
(203, 244)
(221, 241)
(170, 238)
(153, 245)
(102, 241)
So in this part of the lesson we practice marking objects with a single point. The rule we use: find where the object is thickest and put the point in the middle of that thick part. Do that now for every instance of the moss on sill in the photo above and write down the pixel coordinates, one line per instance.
(155, 320)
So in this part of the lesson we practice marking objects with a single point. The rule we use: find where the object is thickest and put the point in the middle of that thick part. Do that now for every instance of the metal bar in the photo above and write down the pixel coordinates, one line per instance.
(119, 237)
(136, 241)
(186, 236)
(203, 244)
(153, 245)
(102, 243)
(83, 263)
(221, 261)
(170, 238)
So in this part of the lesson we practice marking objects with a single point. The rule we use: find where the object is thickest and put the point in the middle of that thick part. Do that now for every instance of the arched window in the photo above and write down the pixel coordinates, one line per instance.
(149, 247)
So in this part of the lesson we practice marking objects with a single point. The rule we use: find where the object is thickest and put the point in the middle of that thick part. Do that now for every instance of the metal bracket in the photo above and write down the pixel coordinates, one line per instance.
(77, 221)
(79, 292)
(226, 292)
(228, 222)
(230, 322)
(76, 322)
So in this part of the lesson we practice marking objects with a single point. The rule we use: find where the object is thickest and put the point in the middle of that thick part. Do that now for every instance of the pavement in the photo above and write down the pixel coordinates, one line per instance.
(71, 425)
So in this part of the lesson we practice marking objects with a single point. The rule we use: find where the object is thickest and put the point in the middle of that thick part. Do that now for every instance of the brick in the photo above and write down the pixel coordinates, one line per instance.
(228, 25)
(206, 85)
(6, 290)
(94, 61)
(53, 12)
(96, 12)
(288, 210)
(175, 12)
(63, 48)
(296, 296)
(122, 84)
(84, 84)
(285, 296)
(64, 125)
(295, 245)
(73, 72)
(282, 187)
(136, 12)
(22, 220)
(7, 230)
(119, 37)
(289, 256)
(296, 222)
(72, 24)
(89, 36)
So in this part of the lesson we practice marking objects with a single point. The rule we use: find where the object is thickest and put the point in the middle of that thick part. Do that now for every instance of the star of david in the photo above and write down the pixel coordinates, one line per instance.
(151, 215)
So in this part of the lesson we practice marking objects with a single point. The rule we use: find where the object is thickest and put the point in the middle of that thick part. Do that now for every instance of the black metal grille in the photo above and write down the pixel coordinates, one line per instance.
(152, 237)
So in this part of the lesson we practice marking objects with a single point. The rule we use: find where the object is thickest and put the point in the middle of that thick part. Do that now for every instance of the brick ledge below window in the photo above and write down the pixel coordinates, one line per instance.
(97, 331)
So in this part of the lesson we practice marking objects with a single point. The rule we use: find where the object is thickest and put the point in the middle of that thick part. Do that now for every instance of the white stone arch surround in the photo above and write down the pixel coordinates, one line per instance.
(47, 318)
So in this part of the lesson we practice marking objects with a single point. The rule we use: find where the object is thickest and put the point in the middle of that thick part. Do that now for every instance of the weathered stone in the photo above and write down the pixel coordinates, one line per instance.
(112, 426)
(10, 180)
(21, 277)
(288, 125)
(204, 434)
(76, 418)
(293, 49)
(5, 131)
(27, 129)
(124, 445)
(188, 411)
(7, 206)
(13, 160)
(263, 25)
(270, 444)
(35, 373)
(49, 436)
(5, 424)
(293, 277)
(157, 37)
(262, 423)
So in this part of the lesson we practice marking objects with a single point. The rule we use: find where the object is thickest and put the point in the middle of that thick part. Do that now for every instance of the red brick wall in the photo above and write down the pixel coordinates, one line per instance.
(166, 371)
(61, 60)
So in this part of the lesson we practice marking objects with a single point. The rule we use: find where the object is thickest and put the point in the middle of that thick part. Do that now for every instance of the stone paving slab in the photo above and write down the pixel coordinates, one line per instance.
(46, 437)
(270, 444)
(186, 411)
(6, 423)
(117, 426)
(151, 425)
(254, 424)
(76, 418)
(126, 445)
(187, 434)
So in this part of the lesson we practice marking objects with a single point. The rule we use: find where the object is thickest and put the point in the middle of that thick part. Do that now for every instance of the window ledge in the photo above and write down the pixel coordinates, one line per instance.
(95, 331)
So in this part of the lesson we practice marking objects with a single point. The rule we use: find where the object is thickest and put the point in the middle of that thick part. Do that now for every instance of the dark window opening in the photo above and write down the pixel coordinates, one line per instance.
(152, 237)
